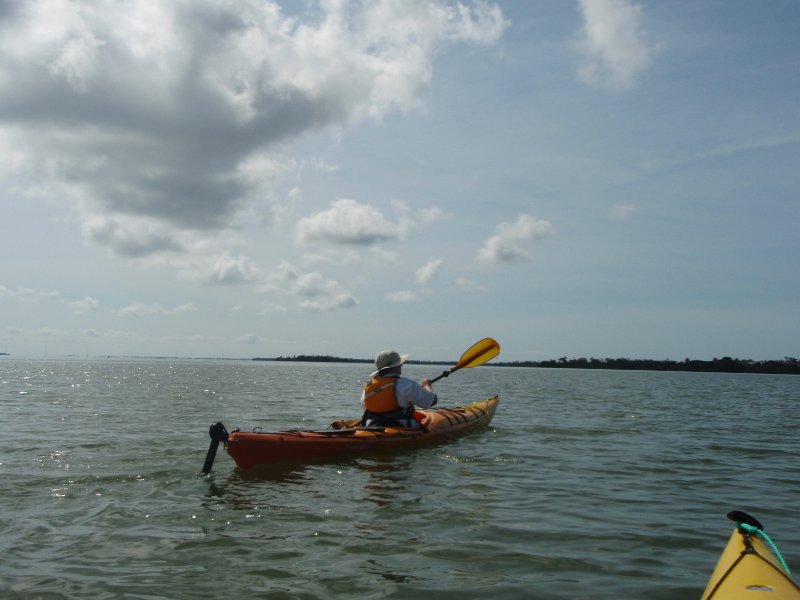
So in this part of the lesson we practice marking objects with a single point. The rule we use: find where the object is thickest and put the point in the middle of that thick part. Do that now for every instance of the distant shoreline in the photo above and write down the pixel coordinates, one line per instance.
(726, 364)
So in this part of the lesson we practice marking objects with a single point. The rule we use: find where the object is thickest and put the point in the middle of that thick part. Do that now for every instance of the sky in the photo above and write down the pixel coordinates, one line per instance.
(254, 178)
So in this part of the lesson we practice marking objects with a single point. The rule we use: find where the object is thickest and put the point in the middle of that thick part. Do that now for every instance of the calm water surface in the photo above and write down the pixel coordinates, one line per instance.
(589, 484)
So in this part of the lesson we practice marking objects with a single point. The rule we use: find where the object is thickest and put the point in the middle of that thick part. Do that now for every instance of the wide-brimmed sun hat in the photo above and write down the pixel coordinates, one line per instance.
(388, 359)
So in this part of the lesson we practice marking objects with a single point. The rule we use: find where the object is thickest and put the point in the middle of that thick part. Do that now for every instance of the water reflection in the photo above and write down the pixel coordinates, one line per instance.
(240, 489)
(288, 472)
(386, 477)
(383, 480)
(391, 573)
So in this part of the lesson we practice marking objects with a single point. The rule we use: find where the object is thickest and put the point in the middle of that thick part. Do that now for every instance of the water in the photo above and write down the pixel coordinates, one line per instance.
(589, 484)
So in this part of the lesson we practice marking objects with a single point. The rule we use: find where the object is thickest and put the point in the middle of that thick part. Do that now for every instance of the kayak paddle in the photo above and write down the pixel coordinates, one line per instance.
(479, 353)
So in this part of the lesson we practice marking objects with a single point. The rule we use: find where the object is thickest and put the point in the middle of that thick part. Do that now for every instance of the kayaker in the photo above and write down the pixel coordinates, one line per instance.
(390, 399)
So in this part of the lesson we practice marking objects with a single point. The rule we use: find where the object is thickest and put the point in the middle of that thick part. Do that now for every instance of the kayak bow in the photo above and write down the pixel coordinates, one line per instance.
(750, 566)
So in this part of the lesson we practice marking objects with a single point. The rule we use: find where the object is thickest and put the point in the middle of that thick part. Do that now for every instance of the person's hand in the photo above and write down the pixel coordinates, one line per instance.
(426, 383)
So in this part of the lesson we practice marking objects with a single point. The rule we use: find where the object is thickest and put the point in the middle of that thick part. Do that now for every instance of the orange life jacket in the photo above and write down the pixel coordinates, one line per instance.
(379, 395)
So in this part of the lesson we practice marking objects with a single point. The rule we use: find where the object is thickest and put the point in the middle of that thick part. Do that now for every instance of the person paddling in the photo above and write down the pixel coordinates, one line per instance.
(390, 399)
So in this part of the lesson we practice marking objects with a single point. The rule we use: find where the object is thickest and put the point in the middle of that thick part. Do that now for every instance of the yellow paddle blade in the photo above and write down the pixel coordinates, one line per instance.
(479, 353)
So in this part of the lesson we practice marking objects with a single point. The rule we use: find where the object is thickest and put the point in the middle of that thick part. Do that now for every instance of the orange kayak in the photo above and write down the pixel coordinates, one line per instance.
(250, 449)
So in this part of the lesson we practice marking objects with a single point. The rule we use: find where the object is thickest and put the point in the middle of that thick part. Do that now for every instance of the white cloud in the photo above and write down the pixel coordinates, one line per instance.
(394, 24)
(621, 211)
(613, 43)
(155, 122)
(407, 219)
(139, 309)
(85, 305)
(329, 303)
(203, 257)
(434, 214)
(351, 223)
(317, 293)
(429, 271)
(226, 269)
(76, 61)
(508, 243)
(132, 237)
(28, 296)
(347, 222)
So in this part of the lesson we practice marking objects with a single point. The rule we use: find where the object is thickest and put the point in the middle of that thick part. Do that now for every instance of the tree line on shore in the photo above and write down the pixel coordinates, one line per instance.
(316, 358)
(726, 364)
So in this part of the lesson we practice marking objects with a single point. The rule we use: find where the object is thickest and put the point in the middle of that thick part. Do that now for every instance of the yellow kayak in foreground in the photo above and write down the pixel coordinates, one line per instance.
(751, 567)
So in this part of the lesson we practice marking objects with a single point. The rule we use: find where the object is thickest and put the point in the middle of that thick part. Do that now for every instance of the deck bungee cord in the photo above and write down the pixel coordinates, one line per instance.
(752, 527)
(750, 565)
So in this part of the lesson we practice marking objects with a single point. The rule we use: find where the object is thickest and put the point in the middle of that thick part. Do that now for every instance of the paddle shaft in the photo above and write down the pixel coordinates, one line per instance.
(444, 374)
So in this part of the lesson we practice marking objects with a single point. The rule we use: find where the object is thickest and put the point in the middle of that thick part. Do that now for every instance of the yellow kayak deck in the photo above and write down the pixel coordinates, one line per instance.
(750, 567)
